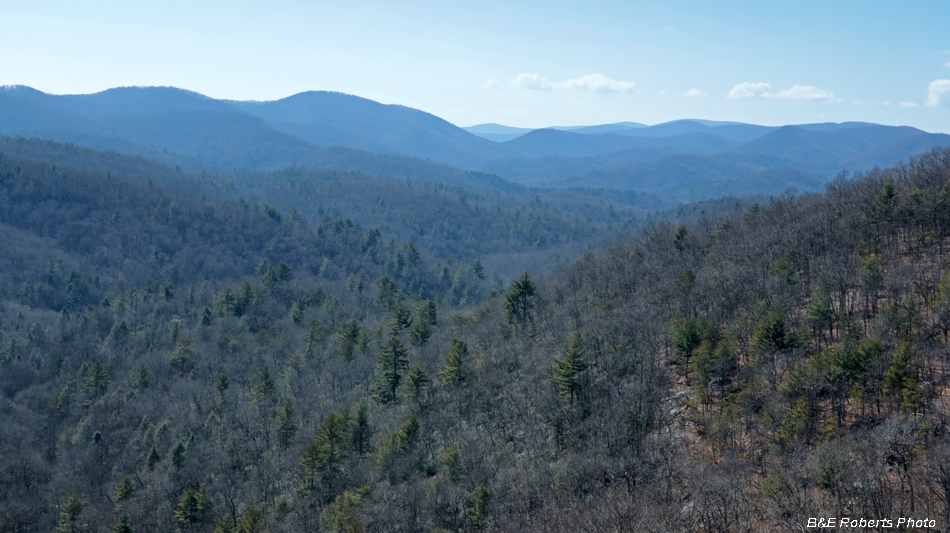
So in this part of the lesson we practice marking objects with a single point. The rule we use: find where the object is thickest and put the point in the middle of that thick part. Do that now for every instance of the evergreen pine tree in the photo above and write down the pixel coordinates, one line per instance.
(477, 269)
(178, 455)
(225, 304)
(225, 526)
(263, 387)
(456, 369)
(452, 462)
(400, 319)
(481, 499)
(409, 434)
(124, 490)
(286, 422)
(194, 506)
(393, 361)
(387, 294)
(420, 333)
(123, 526)
(349, 333)
(252, 521)
(153, 459)
(567, 371)
(244, 300)
(297, 310)
(686, 338)
(518, 302)
(361, 430)
(427, 312)
(97, 377)
(322, 460)
(141, 377)
(182, 357)
(417, 381)
(221, 383)
(69, 516)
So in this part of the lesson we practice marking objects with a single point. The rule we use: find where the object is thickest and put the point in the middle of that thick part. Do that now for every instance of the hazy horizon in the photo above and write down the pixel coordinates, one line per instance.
(572, 125)
(526, 65)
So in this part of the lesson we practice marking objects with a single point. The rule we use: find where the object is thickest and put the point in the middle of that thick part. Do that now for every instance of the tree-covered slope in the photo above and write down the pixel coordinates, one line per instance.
(743, 371)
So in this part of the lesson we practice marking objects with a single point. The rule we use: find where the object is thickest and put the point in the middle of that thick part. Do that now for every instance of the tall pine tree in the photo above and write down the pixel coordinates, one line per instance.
(456, 369)
(567, 371)
(518, 302)
(393, 361)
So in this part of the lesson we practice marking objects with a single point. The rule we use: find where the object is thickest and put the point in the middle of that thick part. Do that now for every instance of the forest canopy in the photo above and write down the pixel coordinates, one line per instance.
(177, 353)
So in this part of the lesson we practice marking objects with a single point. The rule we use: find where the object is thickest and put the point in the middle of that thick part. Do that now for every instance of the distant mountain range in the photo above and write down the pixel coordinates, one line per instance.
(687, 159)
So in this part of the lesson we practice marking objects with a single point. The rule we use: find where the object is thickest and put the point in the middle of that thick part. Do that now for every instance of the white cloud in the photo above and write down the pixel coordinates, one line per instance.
(748, 90)
(947, 64)
(599, 83)
(939, 93)
(887, 103)
(590, 82)
(661, 92)
(797, 92)
(801, 92)
(490, 85)
(532, 81)
(694, 92)
(908, 104)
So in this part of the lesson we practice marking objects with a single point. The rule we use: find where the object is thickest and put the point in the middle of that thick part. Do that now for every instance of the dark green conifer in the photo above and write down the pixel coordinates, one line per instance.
(456, 369)
(567, 371)
(452, 462)
(141, 377)
(417, 381)
(124, 489)
(361, 430)
(194, 506)
(393, 361)
(420, 333)
(400, 318)
(263, 386)
(427, 312)
(123, 526)
(518, 303)
(69, 516)
(182, 357)
(221, 383)
(323, 459)
(349, 333)
(481, 500)
(286, 422)
(252, 521)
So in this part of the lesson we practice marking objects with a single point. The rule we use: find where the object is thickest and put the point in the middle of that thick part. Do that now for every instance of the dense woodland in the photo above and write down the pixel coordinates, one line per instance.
(178, 353)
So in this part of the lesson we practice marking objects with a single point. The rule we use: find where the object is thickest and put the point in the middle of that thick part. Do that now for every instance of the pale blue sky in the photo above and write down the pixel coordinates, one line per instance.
(551, 63)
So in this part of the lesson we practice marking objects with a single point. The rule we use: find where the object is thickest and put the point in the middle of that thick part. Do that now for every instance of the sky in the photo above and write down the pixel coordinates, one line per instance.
(518, 63)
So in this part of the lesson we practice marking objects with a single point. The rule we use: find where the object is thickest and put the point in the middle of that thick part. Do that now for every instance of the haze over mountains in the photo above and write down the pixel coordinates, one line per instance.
(680, 160)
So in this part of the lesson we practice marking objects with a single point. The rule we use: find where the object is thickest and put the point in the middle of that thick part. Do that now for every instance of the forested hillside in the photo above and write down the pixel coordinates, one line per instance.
(174, 358)
(456, 222)
(471, 216)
